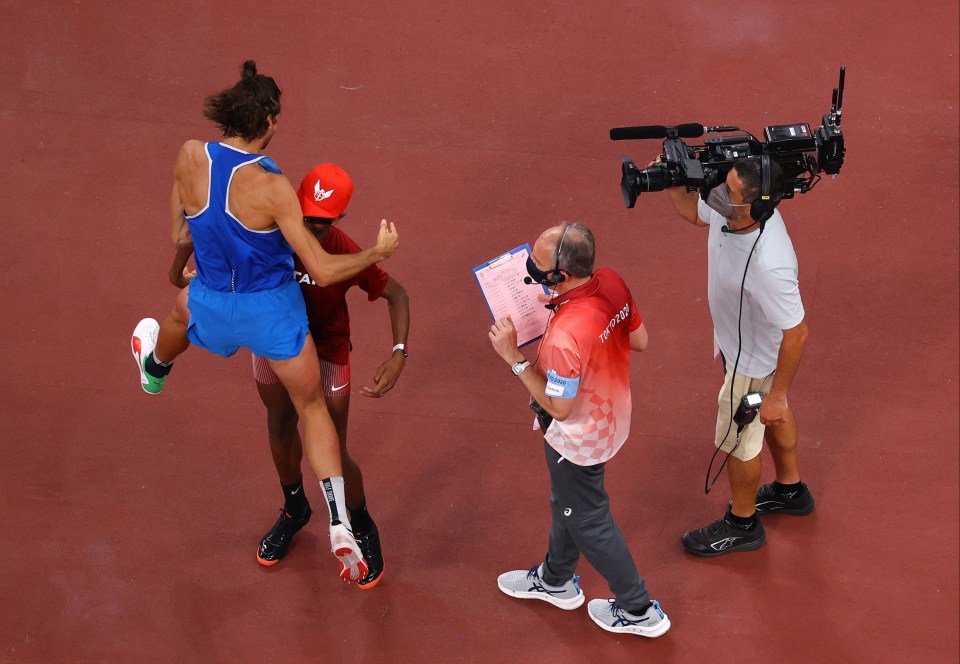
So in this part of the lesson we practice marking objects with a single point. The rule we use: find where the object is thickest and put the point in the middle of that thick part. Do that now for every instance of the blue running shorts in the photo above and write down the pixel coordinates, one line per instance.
(271, 323)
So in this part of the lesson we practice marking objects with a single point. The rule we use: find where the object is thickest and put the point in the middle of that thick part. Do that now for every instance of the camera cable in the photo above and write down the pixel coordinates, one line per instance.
(708, 483)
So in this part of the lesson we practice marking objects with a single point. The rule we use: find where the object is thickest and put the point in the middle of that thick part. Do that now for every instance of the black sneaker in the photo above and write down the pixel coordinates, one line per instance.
(722, 537)
(274, 545)
(369, 543)
(798, 502)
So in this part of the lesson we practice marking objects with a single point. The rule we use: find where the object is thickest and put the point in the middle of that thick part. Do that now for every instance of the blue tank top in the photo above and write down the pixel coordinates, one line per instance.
(229, 256)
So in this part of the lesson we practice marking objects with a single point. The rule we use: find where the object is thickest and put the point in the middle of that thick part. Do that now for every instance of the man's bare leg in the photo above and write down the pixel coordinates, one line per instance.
(744, 478)
(172, 340)
(286, 448)
(287, 452)
(782, 441)
(364, 527)
(339, 407)
(301, 376)
(155, 345)
(787, 495)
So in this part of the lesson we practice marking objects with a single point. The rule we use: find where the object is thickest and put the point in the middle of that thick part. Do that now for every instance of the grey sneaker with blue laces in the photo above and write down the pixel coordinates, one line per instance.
(529, 585)
(611, 617)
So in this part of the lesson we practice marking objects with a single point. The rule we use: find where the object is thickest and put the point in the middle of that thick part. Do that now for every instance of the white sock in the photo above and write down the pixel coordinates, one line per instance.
(336, 502)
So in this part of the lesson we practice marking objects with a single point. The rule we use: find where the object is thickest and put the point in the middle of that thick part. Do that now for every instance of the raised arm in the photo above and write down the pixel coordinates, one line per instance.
(686, 204)
(325, 268)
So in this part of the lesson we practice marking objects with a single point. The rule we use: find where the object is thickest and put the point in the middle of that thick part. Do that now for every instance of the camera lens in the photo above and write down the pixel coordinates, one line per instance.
(654, 179)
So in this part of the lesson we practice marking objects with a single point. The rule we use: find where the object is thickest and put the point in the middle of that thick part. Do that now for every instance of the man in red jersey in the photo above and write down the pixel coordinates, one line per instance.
(580, 388)
(324, 195)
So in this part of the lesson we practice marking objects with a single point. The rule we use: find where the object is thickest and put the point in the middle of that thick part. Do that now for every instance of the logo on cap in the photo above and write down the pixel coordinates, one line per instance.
(321, 194)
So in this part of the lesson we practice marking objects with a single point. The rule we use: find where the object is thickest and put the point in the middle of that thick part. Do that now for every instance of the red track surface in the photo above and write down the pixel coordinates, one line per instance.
(130, 522)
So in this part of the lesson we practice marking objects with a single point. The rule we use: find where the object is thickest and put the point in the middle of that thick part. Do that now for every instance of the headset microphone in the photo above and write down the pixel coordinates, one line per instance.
(528, 281)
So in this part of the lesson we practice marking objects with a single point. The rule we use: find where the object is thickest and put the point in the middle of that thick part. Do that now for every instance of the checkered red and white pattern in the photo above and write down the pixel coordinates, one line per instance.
(589, 441)
(589, 339)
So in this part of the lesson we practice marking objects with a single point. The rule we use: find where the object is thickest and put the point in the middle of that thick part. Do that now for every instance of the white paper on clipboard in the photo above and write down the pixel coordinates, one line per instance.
(501, 282)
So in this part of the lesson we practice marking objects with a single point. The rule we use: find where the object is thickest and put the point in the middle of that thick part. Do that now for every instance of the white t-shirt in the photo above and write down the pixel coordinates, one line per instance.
(771, 293)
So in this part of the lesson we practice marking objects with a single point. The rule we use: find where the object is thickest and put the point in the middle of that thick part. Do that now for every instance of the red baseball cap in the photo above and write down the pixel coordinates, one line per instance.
(325, 191)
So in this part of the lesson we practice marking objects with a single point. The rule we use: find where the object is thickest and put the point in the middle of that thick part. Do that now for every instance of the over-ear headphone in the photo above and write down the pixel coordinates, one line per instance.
(555, 276)
(762, 208)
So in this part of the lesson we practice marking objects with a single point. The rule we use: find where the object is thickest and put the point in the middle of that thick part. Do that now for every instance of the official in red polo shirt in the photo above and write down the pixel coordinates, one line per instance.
(580, 389)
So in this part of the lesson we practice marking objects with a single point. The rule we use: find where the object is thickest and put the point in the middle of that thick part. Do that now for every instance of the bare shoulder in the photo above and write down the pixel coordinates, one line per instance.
(271, 187)
(193, 149)
(261, 197)
(191, 153)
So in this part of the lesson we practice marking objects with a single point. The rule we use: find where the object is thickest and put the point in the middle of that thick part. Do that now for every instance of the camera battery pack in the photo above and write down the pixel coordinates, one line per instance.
(791, 137)
(748, 409)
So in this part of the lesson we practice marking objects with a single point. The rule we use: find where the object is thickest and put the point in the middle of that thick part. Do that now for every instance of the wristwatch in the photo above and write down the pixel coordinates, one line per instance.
(520, 367)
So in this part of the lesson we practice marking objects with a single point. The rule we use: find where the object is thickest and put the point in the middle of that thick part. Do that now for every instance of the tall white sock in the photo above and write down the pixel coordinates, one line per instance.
(336, 502)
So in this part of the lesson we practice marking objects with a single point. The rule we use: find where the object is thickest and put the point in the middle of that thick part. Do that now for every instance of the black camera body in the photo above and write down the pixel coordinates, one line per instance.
(801, 152)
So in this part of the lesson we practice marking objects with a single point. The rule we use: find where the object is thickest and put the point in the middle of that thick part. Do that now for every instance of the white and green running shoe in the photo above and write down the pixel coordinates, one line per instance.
(142, 343)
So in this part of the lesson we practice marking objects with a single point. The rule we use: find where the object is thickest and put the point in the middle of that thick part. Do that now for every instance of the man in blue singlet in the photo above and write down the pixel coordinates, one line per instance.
(245, 223)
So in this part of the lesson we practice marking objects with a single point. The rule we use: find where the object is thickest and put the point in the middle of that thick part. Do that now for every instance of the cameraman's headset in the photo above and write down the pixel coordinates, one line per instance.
(761, 210)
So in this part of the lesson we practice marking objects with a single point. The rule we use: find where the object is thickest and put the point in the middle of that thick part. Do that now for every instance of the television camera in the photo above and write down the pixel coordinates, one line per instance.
(801, 152)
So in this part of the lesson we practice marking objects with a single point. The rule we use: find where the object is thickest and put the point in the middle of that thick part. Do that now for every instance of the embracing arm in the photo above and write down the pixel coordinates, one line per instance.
(325, 268)
(179, 230)
(773, 410)
(179, 275)
(387, 373)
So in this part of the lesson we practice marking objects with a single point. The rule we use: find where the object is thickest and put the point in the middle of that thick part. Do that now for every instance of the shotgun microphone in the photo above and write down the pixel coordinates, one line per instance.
(688, 130)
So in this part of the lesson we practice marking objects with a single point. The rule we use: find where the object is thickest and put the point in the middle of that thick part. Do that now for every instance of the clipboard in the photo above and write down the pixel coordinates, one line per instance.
(501, 283)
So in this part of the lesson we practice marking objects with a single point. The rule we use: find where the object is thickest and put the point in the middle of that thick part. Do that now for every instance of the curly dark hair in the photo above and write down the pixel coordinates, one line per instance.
(243, 109)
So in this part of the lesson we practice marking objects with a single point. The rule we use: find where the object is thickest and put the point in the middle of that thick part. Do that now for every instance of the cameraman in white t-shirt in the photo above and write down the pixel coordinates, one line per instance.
(759, 326)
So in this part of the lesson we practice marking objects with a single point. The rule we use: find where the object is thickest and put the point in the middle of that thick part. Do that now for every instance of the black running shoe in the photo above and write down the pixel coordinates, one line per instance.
(798, 502)
(369, 543)
(274, 545)
(722, 537)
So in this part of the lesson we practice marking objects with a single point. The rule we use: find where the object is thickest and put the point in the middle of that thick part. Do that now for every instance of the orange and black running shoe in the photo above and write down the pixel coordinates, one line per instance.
(274, 545)
(369, 543)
